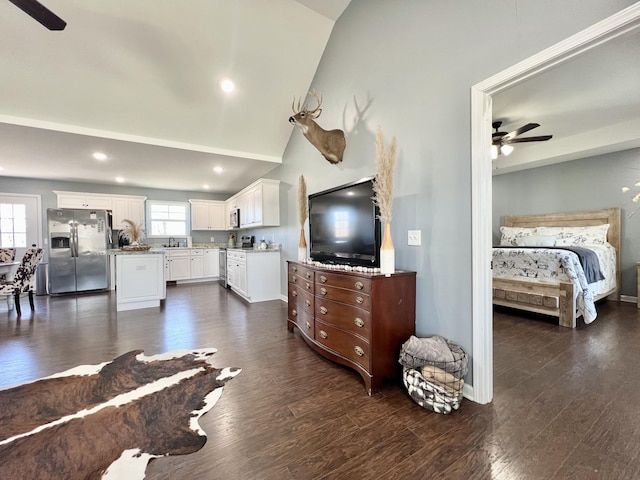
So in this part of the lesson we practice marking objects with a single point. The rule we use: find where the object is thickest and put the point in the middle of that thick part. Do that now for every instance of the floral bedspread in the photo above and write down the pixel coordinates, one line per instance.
(546, 265)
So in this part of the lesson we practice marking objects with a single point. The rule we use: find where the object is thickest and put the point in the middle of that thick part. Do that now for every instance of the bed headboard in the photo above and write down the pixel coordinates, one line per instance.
(577, 219)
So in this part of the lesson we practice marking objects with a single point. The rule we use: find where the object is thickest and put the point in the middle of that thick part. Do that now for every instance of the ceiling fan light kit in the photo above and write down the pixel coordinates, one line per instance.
(501, 141)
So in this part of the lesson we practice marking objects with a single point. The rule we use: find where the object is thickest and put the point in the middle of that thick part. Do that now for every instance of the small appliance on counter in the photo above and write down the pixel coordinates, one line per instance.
(232, 241)
(248, 241)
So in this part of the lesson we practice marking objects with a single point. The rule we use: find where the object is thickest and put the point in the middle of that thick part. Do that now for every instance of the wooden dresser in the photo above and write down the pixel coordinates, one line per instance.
(357, 319)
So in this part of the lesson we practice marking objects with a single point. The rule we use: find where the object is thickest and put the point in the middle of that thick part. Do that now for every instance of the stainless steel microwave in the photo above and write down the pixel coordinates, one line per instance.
(234, 218)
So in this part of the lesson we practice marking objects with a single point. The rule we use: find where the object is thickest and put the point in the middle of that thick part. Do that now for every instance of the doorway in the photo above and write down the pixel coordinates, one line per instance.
(623, 22)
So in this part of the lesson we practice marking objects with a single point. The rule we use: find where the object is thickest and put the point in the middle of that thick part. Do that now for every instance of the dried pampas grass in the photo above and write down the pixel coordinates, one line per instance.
(303, 209)
(131, 231)
(383, 183)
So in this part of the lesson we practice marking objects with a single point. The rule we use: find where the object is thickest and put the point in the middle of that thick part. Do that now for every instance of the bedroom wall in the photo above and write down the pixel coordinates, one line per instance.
(408, 67)
(586, 184)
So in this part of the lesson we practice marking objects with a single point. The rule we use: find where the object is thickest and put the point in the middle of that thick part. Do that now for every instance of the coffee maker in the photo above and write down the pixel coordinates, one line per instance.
(248, 241)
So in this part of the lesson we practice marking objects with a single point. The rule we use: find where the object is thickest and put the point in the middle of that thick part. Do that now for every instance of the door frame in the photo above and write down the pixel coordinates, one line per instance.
(623, 22)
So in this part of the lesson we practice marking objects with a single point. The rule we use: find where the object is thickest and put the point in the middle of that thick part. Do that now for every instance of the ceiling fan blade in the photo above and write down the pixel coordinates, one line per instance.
(541, 138)
(40, 13)
(523, 129)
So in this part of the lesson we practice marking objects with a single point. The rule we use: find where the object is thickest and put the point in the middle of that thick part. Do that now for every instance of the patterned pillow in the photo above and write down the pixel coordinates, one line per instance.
(537, 241)
(567, 236)
(510, 235)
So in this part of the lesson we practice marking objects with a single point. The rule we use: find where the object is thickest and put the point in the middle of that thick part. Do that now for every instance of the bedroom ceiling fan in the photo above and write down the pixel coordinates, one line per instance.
(501, 141)
(41, 13)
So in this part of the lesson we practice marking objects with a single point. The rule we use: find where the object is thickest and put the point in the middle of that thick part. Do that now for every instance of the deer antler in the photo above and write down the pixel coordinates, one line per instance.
(319, 101)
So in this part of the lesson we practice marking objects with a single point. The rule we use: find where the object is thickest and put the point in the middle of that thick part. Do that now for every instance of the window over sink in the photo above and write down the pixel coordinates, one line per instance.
(167, 219)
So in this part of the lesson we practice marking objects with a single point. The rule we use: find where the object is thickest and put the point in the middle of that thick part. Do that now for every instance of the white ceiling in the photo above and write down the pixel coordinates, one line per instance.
(139, 81)
(591, 106)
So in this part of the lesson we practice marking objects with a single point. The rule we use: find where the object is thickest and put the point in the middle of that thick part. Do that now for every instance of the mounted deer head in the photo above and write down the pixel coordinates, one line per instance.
(330, 143)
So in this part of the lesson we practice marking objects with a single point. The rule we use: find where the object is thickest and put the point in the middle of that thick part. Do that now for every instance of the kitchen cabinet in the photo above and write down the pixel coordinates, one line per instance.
(211, 260)
(140, 279)
(130, 207)
(208, 215)
(254, 275)
(197, 263)
(179, 264)
(84, 200)
(260, 204)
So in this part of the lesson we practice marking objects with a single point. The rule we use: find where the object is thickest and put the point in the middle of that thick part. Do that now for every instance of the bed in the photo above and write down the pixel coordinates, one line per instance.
(538, 275)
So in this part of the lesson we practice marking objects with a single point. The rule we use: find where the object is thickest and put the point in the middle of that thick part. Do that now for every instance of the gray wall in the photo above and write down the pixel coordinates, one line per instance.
(588, 184)
(409, 65)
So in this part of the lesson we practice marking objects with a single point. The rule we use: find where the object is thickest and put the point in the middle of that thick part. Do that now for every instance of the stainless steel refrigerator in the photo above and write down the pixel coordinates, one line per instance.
(79, 242)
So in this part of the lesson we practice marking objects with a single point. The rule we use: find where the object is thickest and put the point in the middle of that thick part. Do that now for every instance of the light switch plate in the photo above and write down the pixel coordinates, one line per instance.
(414, 237)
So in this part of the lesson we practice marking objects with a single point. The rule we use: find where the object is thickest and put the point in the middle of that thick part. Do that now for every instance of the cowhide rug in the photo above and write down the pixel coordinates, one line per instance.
(109, 420)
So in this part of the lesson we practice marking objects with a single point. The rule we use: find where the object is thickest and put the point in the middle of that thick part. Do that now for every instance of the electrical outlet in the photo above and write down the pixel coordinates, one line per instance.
(212, 239)
(414, 237)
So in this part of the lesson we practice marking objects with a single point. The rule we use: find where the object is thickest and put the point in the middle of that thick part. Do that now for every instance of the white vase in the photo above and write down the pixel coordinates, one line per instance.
(387, 252)
(302, 246)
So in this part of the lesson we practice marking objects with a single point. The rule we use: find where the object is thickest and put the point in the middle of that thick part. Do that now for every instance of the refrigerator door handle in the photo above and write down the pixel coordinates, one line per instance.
(74, 239)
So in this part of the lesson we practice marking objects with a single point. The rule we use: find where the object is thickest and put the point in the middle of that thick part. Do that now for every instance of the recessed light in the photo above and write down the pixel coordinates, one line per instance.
(100, 156)
(227, 85)
(119, 179)
(218, 169)
(206, 187)
(1, 168)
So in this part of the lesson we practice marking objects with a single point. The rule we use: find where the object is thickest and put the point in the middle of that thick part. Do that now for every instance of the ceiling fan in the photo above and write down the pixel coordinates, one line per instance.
(501, 141)
(41, 13)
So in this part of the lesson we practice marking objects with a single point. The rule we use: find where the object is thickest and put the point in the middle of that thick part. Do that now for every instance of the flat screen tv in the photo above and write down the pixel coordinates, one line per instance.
(344, 226)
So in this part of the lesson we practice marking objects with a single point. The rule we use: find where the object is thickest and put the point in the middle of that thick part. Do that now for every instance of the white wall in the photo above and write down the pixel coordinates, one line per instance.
(409, 66)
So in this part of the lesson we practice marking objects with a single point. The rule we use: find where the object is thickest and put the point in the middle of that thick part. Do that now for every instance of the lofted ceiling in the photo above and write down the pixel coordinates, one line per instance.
(591, 106)
(140, 81)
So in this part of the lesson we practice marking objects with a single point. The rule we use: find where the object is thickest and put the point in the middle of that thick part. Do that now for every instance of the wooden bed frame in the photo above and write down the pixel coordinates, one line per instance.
(556, 299)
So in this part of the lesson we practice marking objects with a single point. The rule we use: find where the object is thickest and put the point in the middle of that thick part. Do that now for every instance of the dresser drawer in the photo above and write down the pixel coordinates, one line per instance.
(303, 272)
(303, 283)
(359, 284)
(352, 297)
(348, 345)
(346, 317)
(303, 300)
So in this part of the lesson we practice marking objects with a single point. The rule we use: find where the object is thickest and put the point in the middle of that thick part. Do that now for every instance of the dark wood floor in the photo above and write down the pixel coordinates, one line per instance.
(565, 407)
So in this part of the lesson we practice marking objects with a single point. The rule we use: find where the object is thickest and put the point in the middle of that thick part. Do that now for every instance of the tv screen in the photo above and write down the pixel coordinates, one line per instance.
(344, 225)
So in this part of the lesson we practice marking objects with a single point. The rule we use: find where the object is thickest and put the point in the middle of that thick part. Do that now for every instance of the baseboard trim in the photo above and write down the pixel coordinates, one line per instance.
(629, 299)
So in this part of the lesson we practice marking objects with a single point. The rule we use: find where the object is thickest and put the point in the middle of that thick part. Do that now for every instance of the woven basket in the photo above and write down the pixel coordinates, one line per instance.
(135, 248)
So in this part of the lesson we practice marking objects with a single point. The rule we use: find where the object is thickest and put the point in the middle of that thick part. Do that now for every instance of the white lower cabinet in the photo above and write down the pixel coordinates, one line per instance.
(211, 262)
(254, 275)
(140, 280)
(179, 265)
(197, 263)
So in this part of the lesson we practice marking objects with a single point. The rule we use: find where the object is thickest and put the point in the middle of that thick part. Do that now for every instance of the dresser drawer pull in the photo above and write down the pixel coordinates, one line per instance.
(359, 285)
(294, 312)
(323, 279)
(323, 310)
(295, 269)
(307, 303)
(294, 279)
(323, 291)
(294, 293)
(359, 351)
(359, 322)
(359, 300)
(308, 285)
(308, 326)
(308, 275)
(323, 334)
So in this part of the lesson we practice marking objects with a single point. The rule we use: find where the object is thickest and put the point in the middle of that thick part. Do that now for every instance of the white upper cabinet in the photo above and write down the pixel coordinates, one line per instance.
(130, 207)
(127, 207)
(208, 215)
(259, 204)
(93, 201)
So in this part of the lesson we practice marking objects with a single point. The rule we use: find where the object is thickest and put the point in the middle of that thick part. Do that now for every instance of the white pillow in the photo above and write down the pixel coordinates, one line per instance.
(566, 236)
(510, 235)
(537, 241)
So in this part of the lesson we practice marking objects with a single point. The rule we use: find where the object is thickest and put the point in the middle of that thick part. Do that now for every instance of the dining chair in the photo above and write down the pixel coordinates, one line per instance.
(24, 280)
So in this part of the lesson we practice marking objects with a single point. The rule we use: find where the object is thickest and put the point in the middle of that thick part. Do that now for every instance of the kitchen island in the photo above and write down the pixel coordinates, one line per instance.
(140, 279)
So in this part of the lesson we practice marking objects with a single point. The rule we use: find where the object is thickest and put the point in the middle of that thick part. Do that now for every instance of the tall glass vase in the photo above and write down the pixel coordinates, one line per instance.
(302, 246)
(387, 252)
